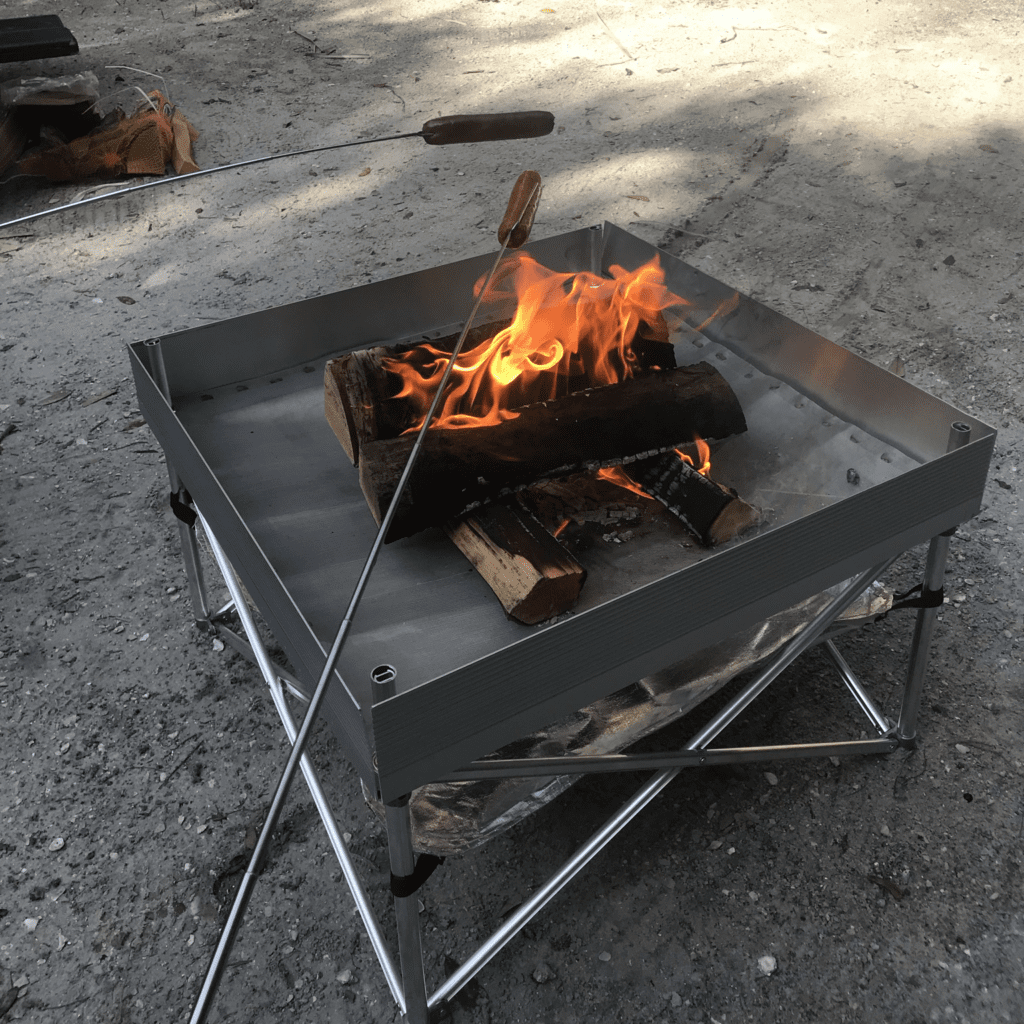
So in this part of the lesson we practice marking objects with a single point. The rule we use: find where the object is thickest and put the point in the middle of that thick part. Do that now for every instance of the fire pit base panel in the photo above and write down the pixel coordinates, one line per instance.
(849, 461)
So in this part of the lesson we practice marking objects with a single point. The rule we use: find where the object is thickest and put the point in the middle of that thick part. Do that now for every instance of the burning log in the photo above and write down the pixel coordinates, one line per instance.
(460, 469)
(530, 572)
(712, 512)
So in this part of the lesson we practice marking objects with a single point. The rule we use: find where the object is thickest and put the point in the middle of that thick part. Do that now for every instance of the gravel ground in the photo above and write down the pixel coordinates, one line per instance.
(857, 168)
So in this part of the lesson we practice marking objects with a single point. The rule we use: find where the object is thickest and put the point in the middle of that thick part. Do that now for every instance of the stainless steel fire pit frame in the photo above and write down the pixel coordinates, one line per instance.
(492, 683)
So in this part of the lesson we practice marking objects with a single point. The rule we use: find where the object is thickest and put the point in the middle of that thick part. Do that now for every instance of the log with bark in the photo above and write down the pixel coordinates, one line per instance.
(461, 469)
(711, 511)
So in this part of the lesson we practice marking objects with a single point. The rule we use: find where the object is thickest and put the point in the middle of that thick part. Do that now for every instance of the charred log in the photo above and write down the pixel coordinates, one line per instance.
(459, 470)
(712, 512)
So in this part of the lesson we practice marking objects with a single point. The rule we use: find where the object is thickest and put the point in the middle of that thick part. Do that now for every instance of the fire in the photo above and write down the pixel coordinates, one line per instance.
(569, 332)
(703, 453)
(618, 476)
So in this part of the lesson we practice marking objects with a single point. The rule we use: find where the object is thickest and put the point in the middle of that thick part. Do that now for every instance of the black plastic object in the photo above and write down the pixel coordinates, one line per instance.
(457, 128)
(34, 38)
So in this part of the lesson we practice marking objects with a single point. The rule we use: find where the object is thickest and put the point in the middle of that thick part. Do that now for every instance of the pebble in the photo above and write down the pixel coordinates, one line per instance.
(604, 957)
(885, 830)
(218, 645)
(961, 749)
(345, 977)
(773, 779)
(31, 923)
(21, 981)
(675, 999)
(767, 964)
(542, 973)
(56, 844)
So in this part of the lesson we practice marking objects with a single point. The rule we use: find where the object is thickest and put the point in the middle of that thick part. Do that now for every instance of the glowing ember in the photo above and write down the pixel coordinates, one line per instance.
(567, 327)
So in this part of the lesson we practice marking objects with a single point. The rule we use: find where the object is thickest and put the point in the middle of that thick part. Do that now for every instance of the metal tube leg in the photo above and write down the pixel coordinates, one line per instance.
(924, 628)
(410, 945)
(920, 648)
(194, 574)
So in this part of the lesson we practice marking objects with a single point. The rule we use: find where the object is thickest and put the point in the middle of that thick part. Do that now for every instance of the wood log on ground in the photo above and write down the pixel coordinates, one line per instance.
(459, 470)
(531, 574)
(712, 512)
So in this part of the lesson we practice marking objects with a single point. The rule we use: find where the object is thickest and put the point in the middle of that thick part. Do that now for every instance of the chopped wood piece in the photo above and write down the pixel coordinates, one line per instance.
(458, 470)
(531, 574)
(712, 512)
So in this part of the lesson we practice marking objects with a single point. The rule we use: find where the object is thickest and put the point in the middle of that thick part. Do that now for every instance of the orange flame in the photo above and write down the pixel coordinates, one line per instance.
(618, 476)
(569, 332)
(703, 452)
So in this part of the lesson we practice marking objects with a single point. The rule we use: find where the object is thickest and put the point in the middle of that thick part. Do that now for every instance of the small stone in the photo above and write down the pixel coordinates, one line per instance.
(852, 477)
(773, 779)
(542, 973)
(884, 830)
(218, 645)
(31, 924)
(344, 977)
(675, 1000)
(62, 941)
(961, 749)
(20, 982)
(716, 844)
(767, 964)
(835, 761)
(604, 957)
(56, 844)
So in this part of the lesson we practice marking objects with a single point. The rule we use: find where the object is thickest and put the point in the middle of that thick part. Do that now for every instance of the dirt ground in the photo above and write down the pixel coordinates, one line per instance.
(855, 166)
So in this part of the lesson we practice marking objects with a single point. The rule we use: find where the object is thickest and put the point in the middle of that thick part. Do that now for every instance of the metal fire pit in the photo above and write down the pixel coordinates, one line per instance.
(852, 464)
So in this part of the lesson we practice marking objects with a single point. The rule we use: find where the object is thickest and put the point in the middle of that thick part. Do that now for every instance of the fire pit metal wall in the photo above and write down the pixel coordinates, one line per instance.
(244, 428)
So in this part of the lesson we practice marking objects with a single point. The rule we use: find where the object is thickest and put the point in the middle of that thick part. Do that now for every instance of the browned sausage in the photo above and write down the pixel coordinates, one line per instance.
(458, 128)
(522, 207)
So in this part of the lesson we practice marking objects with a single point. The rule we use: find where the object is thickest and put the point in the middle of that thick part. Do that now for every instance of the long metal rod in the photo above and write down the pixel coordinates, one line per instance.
(195, 174)
(219, 960)
(856, 687)
(270, 673)
(598, 764)
(558, 881)
(800, 643)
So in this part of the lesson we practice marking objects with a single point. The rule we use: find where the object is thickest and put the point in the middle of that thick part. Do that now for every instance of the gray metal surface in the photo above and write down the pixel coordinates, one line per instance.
(248, 437)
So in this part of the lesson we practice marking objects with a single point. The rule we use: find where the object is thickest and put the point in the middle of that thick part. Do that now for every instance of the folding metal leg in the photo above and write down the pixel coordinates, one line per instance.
(272, 677)
(920, 648)
(410, 939)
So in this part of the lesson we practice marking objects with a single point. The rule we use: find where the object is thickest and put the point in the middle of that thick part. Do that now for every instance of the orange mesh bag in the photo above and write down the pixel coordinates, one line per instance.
(155, 135)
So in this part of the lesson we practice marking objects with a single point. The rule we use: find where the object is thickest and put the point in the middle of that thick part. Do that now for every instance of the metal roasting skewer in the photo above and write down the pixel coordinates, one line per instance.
(219, 961)
(439, 131)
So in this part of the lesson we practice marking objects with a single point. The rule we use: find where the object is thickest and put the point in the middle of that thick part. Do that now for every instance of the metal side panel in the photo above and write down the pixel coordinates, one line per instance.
(887, 406)
(311, 330)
